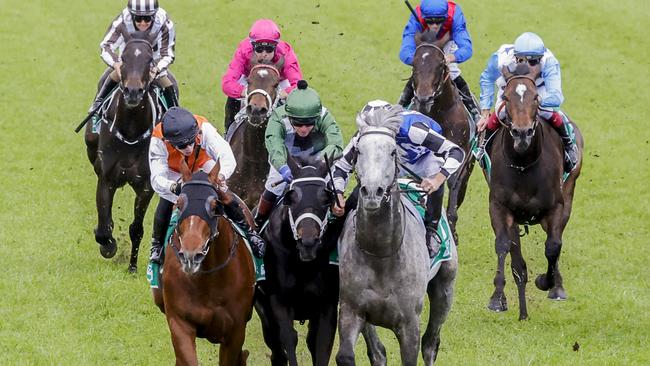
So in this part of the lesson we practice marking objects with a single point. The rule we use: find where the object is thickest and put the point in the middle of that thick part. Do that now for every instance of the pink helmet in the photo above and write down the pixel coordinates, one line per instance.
(264, 30)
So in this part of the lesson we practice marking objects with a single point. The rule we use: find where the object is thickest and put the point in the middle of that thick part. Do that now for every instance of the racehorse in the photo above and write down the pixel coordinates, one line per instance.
(526, 187)
(300, 283)
(437, 97)
(119, 153)
(247, 141)
(208, 276)
(383, 260)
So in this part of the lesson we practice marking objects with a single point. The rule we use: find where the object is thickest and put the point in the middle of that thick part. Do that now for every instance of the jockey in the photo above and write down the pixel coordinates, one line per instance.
(144, 16)
(423, 151)
(441, 16)
(302, 127)
(184, 136)
(264, 44)
(529, 48)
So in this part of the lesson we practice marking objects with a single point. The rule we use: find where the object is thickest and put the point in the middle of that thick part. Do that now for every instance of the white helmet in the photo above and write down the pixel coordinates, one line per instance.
(143, 7)
(529, 45)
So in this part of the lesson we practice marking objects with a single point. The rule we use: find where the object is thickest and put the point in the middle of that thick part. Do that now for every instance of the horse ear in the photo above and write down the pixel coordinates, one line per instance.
(213, 176)
(535, 71)
(418, 38)
(506, 73)
(441, 42)
(253, 62)
(181, 202)
(293, 164)
(280, 64)
(186, 173)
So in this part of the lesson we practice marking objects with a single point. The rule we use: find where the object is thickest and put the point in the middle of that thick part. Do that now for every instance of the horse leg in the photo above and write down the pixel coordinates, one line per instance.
(502, 224)
(230, 352)
(136, 230)
(184, 341)
(320, 337)
(269, 329)
(552, 279)
(520, 274)
(457, 190)
(288, 335)
(104, 230)
(408, 336)
(441, 296)
(375, 349)
(350, 325)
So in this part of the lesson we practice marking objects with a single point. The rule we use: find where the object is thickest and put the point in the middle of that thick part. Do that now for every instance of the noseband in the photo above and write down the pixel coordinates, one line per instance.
(444, 75)
(322, 222)
(508, 121)
(388, 190)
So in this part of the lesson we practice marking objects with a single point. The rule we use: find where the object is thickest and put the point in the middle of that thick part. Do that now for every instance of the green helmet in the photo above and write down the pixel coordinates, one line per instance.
(303, 105)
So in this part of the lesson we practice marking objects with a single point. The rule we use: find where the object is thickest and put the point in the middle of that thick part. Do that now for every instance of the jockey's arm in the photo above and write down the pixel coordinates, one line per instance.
(112, 41)
(230, 81)
(461, 37)
(291, 70)
(422, 135)
(166, 45)
(158, 166)
(274, 140)
(219, 150)
(332, 134)
(553, 82)
(345, 165)
(407, 50)
(488, 77)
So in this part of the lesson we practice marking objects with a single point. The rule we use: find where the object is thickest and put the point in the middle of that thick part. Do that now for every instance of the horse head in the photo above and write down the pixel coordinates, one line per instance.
(308, 199)
(199, 208)
(521, 102)
(263, 81)
(377, 158)
(137, 61)
(430, 70)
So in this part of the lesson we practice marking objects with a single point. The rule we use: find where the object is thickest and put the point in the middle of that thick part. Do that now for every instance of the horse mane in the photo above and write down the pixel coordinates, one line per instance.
(428, 36)
(390, 118)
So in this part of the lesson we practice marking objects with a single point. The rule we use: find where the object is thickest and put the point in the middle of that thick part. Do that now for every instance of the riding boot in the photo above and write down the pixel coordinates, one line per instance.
(468, 98)
(232, 108)
(264, 208)
(570, 148)
(104, 91)
(235, 213)
(160, 225)
(156, 251)
(431, 220)
(407, 94)
(169, 95)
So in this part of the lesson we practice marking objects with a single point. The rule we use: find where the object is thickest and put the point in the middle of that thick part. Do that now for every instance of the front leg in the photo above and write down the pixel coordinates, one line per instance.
(104, 230)
(184, 341)
(552, 279)
(288, 336)
(350, 324)
(503, 226)
(320, 337)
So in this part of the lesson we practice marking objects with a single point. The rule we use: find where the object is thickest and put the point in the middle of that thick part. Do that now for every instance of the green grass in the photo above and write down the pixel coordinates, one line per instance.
(63, 304)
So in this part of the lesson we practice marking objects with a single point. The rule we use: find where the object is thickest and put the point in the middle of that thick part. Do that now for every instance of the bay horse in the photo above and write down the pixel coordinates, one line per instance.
(208, 276)
(383, 260)
(119, 153)
(437, 97)
(247, 140)
(526, 187)
(300, 283)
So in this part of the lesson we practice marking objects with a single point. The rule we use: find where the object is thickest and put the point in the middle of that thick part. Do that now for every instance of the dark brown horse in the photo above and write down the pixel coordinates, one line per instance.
(208, 276)
(247, 141)
(119, 153)
(526, 187)
(437, 97)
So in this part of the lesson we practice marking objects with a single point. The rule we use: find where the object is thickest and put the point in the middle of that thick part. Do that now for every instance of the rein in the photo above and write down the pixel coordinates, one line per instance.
(445, 72)
(115, 132)
(233, 248)
(322, 223)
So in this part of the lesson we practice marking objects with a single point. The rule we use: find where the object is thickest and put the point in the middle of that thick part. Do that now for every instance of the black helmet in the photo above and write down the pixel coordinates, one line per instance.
(179, 127)
(143, 7)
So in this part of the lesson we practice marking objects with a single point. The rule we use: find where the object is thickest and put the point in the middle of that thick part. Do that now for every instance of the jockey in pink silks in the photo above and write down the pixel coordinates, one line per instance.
(264, 44)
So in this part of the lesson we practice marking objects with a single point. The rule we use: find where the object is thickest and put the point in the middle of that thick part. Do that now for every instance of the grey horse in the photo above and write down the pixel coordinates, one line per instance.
(384, 264)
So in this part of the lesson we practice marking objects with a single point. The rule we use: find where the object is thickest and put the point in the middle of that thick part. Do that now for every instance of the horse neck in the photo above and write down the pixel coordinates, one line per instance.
(380, 233)
(133, 122)
(447, 98)
(253, 141)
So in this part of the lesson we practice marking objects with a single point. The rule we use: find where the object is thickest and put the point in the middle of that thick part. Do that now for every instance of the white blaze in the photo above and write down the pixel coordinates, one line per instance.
(262, 73)
(521, 90)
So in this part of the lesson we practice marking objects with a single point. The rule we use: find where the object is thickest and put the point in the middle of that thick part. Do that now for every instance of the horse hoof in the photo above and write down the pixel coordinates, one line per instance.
(108, 251)
(542, 283)
(498, 305)
(557, 293)
(133, 268)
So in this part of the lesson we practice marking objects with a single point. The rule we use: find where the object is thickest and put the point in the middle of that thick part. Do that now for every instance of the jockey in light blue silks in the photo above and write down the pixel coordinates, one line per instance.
(441, 16)
(423, 151)
(529, 48)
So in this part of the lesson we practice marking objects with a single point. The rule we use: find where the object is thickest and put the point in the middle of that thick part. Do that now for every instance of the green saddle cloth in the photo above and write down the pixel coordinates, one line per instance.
(154, 269)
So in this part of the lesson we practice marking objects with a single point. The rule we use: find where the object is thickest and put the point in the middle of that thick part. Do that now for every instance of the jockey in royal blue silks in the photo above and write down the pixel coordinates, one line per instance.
(443, 17)
(424, 151)
(529, 48)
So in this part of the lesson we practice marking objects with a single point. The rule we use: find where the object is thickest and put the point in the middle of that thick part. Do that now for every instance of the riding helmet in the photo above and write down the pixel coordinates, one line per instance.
(303, 105)
(143, 7)
(529, 45)
(179, 126)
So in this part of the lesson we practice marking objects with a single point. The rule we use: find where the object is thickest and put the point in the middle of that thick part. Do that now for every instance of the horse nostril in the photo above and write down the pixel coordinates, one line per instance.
(380, 192)
(364, 191)
(141, 91)
(263, 110)
(530, 132)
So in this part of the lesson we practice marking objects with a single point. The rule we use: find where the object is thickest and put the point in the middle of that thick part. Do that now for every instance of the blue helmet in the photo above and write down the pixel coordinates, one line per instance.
(434, 8)
(179, 127)
(529, 45)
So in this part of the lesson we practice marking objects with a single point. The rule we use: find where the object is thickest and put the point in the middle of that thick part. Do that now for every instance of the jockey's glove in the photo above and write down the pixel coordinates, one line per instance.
(285, 172)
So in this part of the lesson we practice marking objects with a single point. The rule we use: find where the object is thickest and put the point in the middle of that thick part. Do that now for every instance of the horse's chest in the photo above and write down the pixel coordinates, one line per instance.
(528, 205)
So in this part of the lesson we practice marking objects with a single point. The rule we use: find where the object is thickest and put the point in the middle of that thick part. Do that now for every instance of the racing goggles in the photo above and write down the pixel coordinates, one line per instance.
(142, 18)
(531, 60)
(435, 20)
(264, 47)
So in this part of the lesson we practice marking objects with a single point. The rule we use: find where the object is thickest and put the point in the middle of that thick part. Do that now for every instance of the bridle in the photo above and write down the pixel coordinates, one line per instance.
(322, 222)
(393, 184)
(444, 72)
(271, 102)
